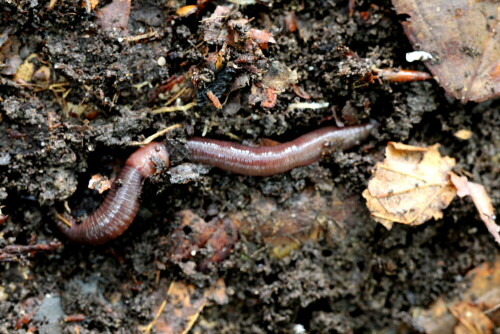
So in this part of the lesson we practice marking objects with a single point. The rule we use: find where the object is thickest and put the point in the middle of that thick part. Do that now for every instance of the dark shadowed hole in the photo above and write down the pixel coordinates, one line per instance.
(187, 230)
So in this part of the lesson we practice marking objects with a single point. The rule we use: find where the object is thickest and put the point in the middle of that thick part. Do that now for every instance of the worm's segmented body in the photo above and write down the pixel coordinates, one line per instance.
(121, 205)
(271, 160)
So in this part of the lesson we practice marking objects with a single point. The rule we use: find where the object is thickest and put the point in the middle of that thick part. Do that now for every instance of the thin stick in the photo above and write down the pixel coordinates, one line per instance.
(174, 108)
(64, 220)
(156, 135)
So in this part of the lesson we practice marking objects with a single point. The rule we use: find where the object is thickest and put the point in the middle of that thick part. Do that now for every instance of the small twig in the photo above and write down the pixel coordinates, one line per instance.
(176, 96)
(156, 135)
(174, 108)
(146, 35)
(64, 220)
(146, 329)
(8, 253)
(493, 309)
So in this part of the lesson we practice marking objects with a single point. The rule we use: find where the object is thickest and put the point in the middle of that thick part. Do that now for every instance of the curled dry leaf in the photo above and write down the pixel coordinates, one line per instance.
(481, 200)
(464, 39)
(182, 305)
(274, 82)
(471, 319)
(476, 311)
(413, 184)
(410, 186)
(261, 37)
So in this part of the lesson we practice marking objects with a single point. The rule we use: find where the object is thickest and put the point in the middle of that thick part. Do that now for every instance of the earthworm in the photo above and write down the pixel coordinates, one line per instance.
(121, 204)
(271, 160)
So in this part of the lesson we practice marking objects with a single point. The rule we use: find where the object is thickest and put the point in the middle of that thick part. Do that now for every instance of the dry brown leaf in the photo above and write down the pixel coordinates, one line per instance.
(214, 30)
(26, 70)
(476, 311)
(464, 39)
(481, 200)
(183, 304)
(274, 82)
(471, 319)
(307, 217)
(218, 236)
(90, 4)
(114, 17)
(410, 186)
(261, 37)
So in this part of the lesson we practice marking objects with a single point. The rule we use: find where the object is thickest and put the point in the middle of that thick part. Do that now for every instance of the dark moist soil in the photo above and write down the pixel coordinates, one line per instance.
(367, 280)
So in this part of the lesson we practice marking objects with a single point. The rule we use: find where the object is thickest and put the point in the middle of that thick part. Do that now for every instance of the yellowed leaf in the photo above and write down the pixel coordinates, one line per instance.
(476, 311)
(90, 4)
(410, 186)
(308, 217)
(26, 69)
(470, 319)
(182, 306)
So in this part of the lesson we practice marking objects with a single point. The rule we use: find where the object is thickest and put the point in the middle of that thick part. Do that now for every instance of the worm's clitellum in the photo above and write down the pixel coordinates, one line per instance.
(118, 211)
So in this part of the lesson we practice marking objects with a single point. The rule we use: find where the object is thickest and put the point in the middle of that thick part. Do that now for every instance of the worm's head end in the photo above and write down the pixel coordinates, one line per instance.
(148, 158)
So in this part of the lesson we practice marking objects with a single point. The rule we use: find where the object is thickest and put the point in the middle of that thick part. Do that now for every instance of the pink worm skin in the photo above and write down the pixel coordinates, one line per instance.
(121, 204)
(271, 160)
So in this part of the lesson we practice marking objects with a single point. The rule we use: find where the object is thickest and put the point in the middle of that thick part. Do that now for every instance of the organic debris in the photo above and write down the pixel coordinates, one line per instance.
(217, 236)
(186, 10)
(477, 311)
(463, 38)
(99, 183)
(114, 17)
(309, 217)
(274, 82)
(410, 186)
(481, 200)
(33, 70)
(239, 62)
(10, 59)
(3, 217)
(393, 75)
(414, 184)
(182, 305)
(21, 253)
(463, 134)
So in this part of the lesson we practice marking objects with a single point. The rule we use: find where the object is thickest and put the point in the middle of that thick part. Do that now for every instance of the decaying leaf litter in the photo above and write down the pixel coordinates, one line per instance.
(463, 38)
(348, 266)
(414, 184)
